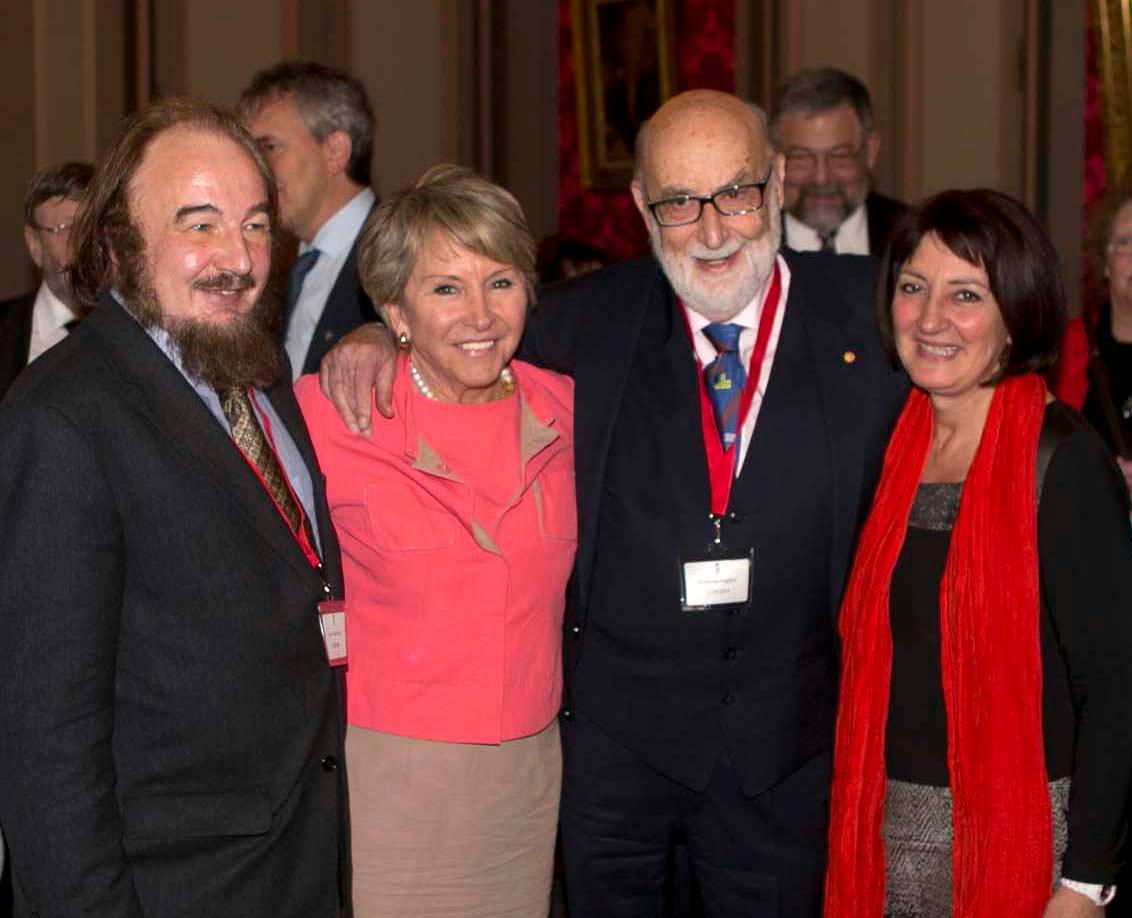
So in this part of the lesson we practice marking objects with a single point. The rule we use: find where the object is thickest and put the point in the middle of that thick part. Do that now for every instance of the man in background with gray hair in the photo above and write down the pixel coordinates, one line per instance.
(315, 126)
(823, 125)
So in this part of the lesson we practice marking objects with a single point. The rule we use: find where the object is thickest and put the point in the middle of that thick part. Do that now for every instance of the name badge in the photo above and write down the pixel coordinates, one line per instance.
(332, 623)
(719, 582)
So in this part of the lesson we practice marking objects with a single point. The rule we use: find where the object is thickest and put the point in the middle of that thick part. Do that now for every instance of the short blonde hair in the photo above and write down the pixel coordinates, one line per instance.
(473, 212)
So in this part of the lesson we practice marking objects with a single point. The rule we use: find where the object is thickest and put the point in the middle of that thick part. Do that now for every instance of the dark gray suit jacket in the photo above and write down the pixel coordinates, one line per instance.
(15, 337)
(171, 733)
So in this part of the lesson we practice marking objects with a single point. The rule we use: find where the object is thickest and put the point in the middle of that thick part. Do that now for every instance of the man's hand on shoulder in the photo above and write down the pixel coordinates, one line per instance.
(364, 361)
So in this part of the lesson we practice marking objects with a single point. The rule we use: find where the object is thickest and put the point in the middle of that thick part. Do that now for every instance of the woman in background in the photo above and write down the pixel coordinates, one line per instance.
(983, 745)
(458, 530)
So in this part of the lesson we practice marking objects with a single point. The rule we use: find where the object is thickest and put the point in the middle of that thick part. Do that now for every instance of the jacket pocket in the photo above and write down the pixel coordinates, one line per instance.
(228, 813)
(400, 520)
(557, 505)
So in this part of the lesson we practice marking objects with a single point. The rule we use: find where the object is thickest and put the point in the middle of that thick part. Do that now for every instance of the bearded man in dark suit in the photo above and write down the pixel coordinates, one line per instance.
(732, 405)
(172, 726)
(823, 124)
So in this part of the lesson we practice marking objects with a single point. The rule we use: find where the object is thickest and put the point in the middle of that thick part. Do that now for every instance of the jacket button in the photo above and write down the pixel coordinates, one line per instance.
(567, 713)
(730, 654)
(576, 630)
(329, 763)
(729, 698)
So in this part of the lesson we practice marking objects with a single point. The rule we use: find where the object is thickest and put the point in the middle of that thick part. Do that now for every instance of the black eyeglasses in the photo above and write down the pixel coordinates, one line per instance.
(732, 201)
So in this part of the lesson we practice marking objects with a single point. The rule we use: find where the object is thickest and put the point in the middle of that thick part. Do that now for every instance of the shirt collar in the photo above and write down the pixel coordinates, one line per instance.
(338, 233)
(852, 236)
(50, 312)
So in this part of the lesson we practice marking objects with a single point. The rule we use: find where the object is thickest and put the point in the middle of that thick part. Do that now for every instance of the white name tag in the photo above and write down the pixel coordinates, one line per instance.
(332, 622)
(715, 583)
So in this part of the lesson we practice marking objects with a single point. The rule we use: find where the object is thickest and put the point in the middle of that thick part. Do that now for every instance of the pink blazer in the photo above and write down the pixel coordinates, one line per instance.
(453, 635)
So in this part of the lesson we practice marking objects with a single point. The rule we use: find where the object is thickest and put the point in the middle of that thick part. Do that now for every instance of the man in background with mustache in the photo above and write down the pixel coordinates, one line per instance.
(823, 125)
(171, 715)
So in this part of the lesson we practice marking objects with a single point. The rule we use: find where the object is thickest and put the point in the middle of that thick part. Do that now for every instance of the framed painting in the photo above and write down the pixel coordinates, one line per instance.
(1112, 22)
(624, 69)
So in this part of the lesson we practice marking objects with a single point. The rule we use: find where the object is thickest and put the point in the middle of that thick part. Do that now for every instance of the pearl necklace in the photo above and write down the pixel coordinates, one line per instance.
(505, 376)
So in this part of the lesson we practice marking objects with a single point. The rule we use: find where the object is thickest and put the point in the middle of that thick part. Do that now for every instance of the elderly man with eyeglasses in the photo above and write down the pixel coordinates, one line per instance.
(732, 405)
(34, 321)
(823, 125)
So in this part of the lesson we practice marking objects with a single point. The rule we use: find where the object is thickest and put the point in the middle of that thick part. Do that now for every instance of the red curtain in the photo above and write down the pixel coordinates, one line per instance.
(705, 58)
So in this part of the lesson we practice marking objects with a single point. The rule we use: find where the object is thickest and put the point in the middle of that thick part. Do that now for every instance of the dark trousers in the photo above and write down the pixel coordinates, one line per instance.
(622, 822)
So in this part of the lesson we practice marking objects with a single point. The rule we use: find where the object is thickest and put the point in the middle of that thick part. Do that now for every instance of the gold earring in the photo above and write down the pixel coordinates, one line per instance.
(403, 341)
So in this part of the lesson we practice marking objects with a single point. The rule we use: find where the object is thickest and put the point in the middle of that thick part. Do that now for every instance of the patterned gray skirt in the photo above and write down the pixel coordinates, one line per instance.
(917, 847)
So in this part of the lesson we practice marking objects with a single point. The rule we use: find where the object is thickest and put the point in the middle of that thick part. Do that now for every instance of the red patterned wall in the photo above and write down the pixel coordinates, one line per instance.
(705, 58)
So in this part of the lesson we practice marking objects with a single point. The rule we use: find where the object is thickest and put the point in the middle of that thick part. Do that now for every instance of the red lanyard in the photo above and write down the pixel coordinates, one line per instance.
(720, 462)
(301, 535)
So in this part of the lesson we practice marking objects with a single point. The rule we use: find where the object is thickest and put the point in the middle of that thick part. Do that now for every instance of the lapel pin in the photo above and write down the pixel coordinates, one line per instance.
(849, 357)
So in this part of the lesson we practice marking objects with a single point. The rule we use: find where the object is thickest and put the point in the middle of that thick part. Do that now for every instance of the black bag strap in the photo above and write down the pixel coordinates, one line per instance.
(1057, 426)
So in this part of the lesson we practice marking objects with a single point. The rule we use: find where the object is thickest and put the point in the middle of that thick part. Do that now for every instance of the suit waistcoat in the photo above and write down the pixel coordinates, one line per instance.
(680, 687)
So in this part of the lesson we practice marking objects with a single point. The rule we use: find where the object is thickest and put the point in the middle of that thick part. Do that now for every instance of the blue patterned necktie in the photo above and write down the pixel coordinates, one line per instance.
(725, 378)
(299, 271)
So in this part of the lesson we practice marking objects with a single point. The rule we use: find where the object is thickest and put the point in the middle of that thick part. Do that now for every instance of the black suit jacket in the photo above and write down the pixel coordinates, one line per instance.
(172, 733)
(347, 307)
(15, 337)
(883, 213)
(589, 328)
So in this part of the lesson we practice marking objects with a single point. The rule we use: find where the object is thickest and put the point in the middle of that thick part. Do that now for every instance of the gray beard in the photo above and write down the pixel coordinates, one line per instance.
(754, 269)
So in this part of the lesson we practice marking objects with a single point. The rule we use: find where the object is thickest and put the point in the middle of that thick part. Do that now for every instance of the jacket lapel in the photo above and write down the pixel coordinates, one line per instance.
(599, 384)
(185, 423)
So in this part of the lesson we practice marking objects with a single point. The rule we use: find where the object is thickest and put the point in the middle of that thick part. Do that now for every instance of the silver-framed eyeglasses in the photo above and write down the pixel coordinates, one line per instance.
(801, 161)
(57, 230)
(730, 201)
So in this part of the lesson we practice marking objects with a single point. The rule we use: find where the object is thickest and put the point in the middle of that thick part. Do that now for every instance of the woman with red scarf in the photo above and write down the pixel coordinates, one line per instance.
(984, 748)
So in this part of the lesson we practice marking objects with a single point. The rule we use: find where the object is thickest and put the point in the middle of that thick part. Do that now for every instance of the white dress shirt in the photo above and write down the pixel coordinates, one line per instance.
(851, 238)
(49, 316)
(333, 241)
(749, 319)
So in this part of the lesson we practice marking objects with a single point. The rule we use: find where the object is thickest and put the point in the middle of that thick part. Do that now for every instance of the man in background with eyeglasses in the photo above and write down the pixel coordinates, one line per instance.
(33, 322)
(823, 125)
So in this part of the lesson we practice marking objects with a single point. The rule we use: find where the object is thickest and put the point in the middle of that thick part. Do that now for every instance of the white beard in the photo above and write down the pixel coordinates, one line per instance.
(720, 300)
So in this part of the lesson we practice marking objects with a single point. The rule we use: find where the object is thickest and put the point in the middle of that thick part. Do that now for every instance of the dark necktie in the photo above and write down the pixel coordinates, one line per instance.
(299, 271)
(246, 432)
(725, 378)
(827, 241)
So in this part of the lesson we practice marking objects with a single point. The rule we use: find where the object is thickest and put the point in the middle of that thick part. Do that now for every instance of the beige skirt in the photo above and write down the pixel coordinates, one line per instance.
(452, 830)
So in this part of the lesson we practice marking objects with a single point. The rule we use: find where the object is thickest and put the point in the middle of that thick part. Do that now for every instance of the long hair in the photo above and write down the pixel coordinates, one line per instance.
(105, 234)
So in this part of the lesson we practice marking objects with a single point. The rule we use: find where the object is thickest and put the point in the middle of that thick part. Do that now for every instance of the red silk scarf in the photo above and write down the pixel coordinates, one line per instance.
(991, 662)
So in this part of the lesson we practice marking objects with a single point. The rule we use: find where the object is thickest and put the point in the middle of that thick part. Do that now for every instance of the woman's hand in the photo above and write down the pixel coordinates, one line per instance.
(362, 362)
(1065, 903)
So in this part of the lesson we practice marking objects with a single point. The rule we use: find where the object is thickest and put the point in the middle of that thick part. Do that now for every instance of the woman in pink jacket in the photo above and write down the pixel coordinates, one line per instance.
(458, 530)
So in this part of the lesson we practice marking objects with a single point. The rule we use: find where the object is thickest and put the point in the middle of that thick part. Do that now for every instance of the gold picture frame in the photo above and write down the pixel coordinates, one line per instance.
(1112, 21)
(624, 68)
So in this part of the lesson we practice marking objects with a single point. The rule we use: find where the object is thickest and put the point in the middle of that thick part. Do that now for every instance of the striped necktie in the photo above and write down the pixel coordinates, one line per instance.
(248, 436)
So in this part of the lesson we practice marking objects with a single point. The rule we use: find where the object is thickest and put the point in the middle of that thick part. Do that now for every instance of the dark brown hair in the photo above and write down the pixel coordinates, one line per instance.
(105, 229)
(68, 180)
(995, 232)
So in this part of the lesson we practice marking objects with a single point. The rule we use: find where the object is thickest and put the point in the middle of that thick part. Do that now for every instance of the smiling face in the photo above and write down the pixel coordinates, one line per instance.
(303, 166)
(200, 208)
(946, 324)
(828, 158)
(698, 143)
(464, 314)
